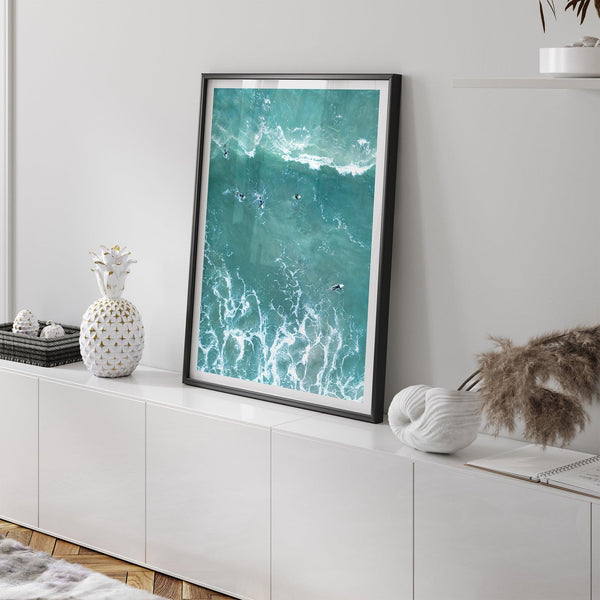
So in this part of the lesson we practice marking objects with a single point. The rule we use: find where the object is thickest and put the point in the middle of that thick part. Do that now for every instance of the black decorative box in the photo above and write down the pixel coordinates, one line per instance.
(40, 351)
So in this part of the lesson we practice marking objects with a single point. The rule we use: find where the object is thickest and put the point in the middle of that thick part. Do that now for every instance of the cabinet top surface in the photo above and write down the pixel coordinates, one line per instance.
(381, 438)
(165, 388)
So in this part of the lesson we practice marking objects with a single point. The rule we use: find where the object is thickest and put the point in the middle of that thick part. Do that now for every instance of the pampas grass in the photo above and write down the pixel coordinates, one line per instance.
(545, 383)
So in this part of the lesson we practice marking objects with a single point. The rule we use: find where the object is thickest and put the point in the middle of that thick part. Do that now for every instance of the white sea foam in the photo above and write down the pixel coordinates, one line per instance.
(314, 162)
(297, 140)
(285, 351)
(354, 169)
(292, 146)
(291, 344)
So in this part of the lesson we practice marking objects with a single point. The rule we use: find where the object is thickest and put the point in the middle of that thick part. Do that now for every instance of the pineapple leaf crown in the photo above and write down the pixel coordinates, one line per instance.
(111, 266)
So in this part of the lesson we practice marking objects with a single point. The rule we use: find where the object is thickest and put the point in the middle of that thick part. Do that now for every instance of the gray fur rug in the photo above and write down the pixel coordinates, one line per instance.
(27, 574)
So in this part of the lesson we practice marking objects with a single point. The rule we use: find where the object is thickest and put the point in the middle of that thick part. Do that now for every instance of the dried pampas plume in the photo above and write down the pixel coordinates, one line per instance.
(545, 383)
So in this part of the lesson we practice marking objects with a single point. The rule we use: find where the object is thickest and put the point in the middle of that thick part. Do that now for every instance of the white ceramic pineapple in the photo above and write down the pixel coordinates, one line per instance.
(112, 334)
(26, 323)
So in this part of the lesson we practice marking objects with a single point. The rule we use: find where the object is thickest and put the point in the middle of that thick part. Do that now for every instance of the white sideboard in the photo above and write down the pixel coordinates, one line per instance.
(264, 501)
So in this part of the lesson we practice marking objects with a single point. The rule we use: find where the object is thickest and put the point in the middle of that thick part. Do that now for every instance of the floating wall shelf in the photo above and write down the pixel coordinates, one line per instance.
(542, 83)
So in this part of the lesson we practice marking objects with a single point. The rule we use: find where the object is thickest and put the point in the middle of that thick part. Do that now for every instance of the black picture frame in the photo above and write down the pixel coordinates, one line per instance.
(332, 330)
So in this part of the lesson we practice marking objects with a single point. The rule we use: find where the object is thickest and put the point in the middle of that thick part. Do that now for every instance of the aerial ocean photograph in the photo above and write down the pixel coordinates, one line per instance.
(288, 230)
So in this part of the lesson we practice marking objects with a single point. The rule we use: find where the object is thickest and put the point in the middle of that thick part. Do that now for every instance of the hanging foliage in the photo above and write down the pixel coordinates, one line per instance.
(550, 3)
(579, 7)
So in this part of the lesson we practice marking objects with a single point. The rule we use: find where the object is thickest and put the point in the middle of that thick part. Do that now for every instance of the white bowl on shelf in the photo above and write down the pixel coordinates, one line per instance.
(570, 62)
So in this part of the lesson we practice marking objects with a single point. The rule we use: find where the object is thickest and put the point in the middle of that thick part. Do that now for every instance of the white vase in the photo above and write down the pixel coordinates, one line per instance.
(570, 62)
(112, 334)
(435, 419)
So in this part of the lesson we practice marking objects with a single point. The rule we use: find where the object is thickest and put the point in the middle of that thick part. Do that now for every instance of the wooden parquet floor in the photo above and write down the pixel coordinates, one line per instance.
(133, 575)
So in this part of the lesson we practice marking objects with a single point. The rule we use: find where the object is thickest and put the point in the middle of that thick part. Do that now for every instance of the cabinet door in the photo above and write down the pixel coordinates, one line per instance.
(19, 448)
(342, 522)
(595, 551)
(208, 501)
(479, 536)
(92, 468)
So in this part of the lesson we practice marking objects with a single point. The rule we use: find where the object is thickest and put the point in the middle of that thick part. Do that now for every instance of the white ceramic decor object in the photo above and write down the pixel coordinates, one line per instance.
(435, 419)
(112, 334)
(578, 61)
(26, 323)
(52, 330)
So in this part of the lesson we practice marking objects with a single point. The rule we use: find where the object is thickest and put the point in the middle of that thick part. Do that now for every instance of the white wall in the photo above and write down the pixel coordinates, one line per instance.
(6, 200)
(497, 223)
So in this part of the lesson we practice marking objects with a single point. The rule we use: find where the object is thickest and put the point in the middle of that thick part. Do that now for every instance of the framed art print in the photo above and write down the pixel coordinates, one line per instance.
(291, 245)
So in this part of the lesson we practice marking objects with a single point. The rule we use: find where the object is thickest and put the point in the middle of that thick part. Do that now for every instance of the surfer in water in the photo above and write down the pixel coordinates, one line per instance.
(337, 286)
(261, 202)
(225, 153)
(240, 195)
(297, 197)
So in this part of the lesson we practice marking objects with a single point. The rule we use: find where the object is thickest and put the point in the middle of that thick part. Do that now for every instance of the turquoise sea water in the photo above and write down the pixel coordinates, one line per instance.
(289, 217)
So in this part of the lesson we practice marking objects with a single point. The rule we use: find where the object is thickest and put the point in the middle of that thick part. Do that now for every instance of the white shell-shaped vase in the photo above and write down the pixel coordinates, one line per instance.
(435, 419)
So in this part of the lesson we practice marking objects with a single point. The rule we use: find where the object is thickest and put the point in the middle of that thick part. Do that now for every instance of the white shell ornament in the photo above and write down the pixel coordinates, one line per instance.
(111, 339)
(435, 419)
(52, 330)
(26, 323)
